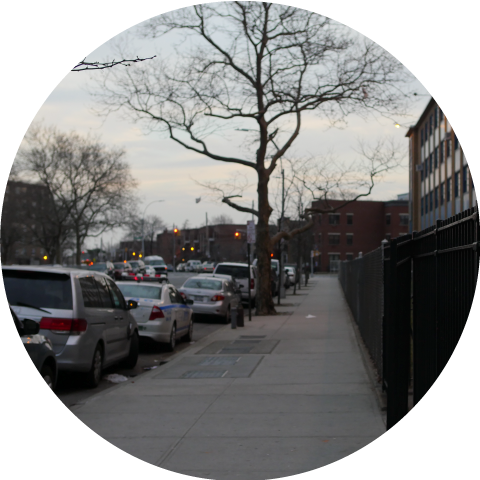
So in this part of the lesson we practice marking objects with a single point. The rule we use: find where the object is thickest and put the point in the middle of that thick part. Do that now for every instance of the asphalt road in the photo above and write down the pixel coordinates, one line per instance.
(70, 387)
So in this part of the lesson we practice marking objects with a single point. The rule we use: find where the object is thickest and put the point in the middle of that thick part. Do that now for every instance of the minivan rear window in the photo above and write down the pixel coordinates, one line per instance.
(38, 289)
(233, 270)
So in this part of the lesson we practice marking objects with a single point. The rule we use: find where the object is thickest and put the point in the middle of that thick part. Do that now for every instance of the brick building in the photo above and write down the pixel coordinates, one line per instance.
(440, 181)
(358, 227)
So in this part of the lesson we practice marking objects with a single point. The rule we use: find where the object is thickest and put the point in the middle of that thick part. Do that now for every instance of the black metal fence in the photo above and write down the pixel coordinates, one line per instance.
(429, 281)
(362, 283)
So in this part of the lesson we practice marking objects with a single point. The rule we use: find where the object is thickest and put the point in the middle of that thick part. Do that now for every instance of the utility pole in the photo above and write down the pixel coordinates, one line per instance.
(208, 237)
(281, 288)
(173, 246)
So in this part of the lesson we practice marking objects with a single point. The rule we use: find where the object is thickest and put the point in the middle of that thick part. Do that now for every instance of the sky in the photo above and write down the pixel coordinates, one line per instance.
(167, 172)
(437, 41)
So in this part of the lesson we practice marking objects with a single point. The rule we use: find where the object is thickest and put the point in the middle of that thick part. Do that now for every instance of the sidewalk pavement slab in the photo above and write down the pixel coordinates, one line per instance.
(293, 395)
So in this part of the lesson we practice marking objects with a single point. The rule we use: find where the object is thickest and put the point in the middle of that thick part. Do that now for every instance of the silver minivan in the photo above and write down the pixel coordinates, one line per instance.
(83, 313)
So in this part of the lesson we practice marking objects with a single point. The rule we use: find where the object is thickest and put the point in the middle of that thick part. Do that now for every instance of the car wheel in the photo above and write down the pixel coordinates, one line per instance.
(132, 358)
(173, 338)
(227, 318)
(189, 336)
(95, 374)
(47, 374)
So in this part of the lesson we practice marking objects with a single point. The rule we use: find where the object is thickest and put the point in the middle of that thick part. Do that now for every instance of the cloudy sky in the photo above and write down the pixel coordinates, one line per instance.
(168, 172)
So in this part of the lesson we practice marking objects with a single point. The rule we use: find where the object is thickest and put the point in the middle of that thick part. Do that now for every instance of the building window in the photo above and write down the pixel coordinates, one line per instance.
(465, 180)
(449, 188)
(440, 115)
(426, 132)
(431, 123)
(457, 177)
(349, 257)
(421, 172)
(334, 239)
(349, 238)
(421, 206)
(320, 219)
(320, 238)
(449, 148)
(442, 193)
(387, 219)
(431, 162)
(436, 157)
(349, 218)
(455, 142)
(436, 197)
(421, 137)
(404, 219)
(430, 196)
(334, 218)
(435, 121)
(441, 152)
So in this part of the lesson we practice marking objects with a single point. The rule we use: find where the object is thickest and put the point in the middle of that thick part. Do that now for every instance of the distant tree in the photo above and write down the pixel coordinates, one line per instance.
(152, 225)
(260, 65)
(90, 186)
(222, 220)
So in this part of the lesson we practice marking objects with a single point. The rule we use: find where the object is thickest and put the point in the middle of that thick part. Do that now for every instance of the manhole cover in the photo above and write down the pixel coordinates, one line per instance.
(204, 374)
(220, 361)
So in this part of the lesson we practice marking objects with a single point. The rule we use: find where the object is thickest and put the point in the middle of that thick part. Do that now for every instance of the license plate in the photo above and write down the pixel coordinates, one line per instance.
(141, 327)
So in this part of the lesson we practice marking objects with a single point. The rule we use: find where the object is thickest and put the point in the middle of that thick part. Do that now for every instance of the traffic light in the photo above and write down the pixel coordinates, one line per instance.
(192, 249)
(238, 235)
(271, 255)
(176, 232)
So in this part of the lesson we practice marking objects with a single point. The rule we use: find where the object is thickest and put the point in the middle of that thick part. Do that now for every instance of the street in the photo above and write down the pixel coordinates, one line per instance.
(70, 389)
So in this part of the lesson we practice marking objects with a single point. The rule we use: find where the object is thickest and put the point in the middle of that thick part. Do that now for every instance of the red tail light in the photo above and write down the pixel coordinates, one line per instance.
(73, 326)
(183, 295)
(156, 313)
(252, 283)
(217, 298)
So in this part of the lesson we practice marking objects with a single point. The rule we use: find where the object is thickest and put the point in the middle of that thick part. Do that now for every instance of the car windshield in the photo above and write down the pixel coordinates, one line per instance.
(98, 267)
(120, 265)
(203, 283)
(156, 262)
(233, 270)
(38, 289)
(134, 264)
(141, 291)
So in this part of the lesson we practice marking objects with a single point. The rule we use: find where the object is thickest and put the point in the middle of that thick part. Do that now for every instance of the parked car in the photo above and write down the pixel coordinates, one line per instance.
(290, 276)
(170, 268)
(138, 266)
(239, 271)
(294, 267)
(191, 265)
(151, 275)
(207, 268)
(82, 312)
(212, 295)
(105, 267)
(181, 267)
(162, 313)
(157, 263)
(38, 347)
(123, 270)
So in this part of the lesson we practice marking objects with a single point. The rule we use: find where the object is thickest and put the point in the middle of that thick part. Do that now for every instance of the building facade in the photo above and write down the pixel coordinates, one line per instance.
(359, 227)
(440, 182)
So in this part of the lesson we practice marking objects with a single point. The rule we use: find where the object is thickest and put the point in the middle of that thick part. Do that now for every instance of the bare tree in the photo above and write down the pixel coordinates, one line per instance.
(222, 220)
(261, 64)
(152, 225)
(90, 186)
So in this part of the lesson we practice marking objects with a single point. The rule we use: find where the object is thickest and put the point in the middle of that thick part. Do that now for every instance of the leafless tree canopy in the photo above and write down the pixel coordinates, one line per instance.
(254, 66)
(90, 186)
(222, 220)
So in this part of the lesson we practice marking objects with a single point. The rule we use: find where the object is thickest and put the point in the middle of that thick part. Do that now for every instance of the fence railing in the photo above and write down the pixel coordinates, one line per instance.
(429, 281)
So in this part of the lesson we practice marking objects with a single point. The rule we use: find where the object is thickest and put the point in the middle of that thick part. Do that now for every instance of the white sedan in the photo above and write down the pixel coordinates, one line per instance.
(162, 313)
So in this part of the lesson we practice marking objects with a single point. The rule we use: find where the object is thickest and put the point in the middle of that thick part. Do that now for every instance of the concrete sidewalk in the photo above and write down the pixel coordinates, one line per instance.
(281, 396)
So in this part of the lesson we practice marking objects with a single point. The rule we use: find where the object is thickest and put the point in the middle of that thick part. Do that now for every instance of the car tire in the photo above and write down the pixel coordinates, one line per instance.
(227, 319)
(189, 336)
(173, 338)
(95, 374)
(47, 374)
(132, 358)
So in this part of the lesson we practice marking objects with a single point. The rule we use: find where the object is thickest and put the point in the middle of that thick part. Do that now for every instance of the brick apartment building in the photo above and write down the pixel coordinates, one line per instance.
(440, 181)
(358, 227)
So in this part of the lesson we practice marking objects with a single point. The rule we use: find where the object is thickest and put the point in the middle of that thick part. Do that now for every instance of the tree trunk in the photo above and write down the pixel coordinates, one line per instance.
(264, 299)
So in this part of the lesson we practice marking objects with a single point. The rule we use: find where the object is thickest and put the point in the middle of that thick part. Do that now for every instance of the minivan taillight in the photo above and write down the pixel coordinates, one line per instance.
(252, 283)
(73, 326)
(156, 313)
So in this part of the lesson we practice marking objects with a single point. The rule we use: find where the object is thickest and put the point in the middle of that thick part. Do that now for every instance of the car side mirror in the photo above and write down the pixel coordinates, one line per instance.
(30, 327)
(131, 304)
(189, 301)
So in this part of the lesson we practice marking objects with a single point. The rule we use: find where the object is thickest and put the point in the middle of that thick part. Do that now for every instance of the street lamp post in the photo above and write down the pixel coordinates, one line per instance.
(143, 224)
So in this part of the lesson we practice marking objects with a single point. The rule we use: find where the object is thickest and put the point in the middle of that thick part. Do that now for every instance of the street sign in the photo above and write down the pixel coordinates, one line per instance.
(137, 238)
(251, 231)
